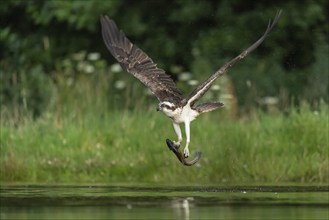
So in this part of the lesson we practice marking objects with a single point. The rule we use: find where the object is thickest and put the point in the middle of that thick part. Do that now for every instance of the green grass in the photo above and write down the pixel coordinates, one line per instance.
(129, 147)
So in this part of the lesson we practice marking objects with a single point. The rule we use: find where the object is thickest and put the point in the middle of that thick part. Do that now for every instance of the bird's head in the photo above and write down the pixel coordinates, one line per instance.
(168, 108)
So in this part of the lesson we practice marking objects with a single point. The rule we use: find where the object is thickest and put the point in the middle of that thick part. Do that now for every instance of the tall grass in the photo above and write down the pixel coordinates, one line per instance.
(129, 146)
(93, 131)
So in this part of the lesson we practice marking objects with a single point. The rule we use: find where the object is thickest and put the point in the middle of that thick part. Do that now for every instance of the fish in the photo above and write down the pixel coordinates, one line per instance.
(175, 149)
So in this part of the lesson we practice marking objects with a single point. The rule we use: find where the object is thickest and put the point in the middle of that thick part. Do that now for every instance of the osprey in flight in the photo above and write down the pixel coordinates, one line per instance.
(171, 102)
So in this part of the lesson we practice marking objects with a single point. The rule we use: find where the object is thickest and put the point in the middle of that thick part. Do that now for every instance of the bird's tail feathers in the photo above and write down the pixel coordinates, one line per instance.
(208, 107)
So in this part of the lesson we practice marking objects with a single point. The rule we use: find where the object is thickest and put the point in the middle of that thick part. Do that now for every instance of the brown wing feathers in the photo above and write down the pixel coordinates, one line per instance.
(136, 62)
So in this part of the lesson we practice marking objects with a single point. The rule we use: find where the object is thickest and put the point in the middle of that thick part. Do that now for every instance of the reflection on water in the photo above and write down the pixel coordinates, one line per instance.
(182, 207)
(126, 202)
(220, 212)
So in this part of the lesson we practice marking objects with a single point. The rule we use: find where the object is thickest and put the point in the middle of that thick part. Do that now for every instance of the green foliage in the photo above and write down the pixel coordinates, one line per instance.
(40, 37)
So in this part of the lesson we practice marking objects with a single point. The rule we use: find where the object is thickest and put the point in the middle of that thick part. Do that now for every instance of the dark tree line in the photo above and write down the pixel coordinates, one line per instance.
(36, 37)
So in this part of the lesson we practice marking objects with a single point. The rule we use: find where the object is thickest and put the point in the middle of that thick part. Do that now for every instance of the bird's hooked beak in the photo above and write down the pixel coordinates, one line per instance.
(158, 108)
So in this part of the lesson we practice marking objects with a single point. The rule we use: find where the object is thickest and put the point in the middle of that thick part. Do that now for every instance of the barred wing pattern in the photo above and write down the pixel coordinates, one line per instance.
(135, 61)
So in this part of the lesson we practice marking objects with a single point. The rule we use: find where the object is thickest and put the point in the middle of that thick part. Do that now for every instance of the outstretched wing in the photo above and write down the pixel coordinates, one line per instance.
(203, 88)
(136, 62)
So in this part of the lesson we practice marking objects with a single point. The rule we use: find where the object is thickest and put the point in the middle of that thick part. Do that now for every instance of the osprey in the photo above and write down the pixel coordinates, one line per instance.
(171, 102)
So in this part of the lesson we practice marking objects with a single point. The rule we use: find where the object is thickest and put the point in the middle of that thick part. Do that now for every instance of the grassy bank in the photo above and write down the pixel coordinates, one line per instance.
(121, 147)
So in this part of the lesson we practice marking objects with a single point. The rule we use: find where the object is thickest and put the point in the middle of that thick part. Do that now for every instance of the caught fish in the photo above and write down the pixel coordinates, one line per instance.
(180, 156)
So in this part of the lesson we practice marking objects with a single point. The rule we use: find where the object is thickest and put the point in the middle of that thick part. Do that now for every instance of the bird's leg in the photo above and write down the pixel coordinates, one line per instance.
(179, 134)
(187, 132)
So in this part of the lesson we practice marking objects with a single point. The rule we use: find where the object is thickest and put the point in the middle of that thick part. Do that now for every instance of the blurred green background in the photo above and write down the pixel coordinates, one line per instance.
(60, 87)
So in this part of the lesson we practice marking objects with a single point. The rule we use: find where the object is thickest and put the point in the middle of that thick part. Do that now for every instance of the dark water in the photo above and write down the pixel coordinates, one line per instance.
(147, 202)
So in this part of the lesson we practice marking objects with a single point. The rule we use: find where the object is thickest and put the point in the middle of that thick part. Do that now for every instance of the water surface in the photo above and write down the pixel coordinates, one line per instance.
(162, 202)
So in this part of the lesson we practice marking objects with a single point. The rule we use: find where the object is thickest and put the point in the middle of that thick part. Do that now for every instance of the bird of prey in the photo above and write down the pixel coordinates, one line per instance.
(171, 102)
